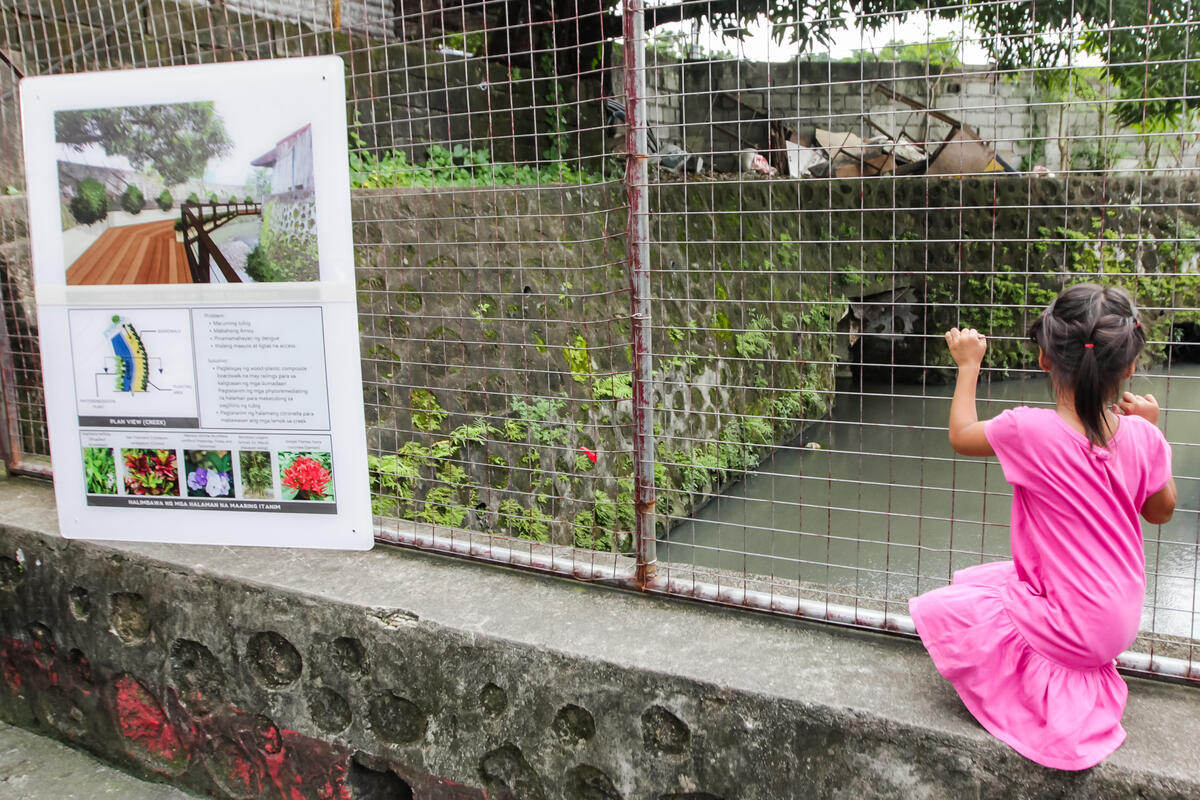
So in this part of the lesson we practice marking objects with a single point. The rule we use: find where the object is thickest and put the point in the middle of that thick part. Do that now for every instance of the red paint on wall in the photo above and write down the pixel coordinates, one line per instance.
(142, 720)
(173, 739)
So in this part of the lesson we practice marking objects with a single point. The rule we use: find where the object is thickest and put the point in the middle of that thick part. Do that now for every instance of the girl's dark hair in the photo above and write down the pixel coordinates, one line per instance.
(1090, 334)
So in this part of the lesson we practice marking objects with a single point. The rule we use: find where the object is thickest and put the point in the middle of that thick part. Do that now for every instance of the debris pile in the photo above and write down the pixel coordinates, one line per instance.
(789, 150)
(843, 154)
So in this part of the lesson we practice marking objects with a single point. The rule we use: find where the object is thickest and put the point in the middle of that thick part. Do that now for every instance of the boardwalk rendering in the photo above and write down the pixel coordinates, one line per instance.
(146, 253)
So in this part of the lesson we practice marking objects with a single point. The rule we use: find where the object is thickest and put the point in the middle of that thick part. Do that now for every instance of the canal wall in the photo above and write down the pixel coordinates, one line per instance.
(235, 673)
(496, 331)
(496, 323)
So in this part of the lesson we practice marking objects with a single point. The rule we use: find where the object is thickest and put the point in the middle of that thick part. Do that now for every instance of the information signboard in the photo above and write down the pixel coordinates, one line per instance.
(194, 269)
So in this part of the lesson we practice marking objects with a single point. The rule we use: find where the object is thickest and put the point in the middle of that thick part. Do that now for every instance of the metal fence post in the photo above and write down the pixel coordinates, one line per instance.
(638, 266)
(10, 429)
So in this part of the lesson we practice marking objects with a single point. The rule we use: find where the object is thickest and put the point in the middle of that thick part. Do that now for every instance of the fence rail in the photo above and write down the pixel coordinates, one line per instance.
(645, 304)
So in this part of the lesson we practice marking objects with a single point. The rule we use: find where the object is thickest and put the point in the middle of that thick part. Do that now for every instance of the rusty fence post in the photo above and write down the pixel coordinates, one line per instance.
(10, 426)
(638, 267)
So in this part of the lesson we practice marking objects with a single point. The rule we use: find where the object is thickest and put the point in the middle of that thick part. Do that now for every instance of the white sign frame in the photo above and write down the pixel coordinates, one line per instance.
(243, 318)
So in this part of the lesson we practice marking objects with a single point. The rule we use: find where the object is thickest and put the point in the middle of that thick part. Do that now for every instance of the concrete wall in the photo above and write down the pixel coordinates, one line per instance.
(1023, 123)
(239, 674)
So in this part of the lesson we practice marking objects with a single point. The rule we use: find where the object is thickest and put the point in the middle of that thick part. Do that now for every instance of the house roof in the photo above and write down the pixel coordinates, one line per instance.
(268, 158)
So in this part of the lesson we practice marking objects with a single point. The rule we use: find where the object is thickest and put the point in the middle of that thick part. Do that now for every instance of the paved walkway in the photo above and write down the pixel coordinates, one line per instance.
(34, 767)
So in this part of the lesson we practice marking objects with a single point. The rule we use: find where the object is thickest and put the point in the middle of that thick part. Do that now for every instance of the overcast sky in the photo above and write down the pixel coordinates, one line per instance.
(911, 28)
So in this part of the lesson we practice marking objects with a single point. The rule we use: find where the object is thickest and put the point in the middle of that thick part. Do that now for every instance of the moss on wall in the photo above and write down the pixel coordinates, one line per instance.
(496, 324)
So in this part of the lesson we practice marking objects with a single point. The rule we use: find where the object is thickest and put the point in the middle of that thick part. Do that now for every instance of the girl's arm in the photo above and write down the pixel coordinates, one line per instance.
(966, 431)
(1160, 506)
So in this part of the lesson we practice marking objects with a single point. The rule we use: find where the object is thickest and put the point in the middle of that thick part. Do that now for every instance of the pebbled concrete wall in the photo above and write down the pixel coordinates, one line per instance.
(249, 674)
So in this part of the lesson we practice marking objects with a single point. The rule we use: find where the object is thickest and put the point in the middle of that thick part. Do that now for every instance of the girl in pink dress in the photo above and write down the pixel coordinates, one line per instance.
(1029, 644)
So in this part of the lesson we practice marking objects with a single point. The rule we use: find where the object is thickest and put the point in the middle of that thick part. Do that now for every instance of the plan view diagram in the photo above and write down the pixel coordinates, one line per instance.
(129, 354)
(136, 363)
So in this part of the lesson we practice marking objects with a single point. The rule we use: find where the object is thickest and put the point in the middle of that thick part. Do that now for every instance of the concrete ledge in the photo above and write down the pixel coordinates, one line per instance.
(253, 673)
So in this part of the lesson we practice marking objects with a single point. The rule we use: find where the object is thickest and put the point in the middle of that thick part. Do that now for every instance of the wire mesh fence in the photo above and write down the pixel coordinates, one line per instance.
(761, 420)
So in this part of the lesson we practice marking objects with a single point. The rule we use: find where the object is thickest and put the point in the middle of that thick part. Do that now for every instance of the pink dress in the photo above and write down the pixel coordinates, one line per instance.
(1029, 643)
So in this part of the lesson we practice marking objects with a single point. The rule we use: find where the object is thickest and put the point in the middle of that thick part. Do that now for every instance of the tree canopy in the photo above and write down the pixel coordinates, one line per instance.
(177, 140)
(1145, 45)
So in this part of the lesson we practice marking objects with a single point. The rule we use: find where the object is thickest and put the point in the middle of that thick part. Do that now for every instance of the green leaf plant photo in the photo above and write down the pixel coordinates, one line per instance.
(99, 470)
(255, 470)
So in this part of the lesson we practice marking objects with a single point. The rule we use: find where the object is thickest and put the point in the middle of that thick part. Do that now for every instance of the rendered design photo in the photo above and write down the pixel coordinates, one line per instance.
(205, 192)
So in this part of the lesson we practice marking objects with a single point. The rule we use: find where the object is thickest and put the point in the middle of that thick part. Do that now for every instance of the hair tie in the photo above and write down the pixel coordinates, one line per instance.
(1137, 323)
(1089, 345)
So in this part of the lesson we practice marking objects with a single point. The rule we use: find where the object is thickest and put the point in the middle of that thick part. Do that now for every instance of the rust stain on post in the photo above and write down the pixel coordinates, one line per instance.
(638, 267)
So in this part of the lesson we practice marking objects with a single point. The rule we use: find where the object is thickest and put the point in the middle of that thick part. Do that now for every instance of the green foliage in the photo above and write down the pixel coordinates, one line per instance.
(754, 342)
(122, 367)
(90, 203)
(614, 387)
(164, 200)
(720, 321)
(193, 198)
(535, 418)
(607, 524)
(458, 166)
(255, 467)
(260, 268)
(442, 507)
(132, 200)
(787, 253)
(942, 52)
(555, 116)
(100, 470)
(472, 42)
(678, 44)
(427, 415)
(212, 198)
(524, 523)
(477, 431)
(578, 358)
(175, 140)
(393, 478)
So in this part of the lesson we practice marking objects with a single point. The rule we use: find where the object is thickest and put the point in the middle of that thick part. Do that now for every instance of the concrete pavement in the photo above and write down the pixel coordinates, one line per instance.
(34, 767)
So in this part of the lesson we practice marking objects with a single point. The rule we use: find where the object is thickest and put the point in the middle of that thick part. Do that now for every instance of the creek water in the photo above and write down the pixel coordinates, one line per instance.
(885, 510)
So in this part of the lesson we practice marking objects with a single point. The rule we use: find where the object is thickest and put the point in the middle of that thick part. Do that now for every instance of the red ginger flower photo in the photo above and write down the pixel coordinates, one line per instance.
(308, 477)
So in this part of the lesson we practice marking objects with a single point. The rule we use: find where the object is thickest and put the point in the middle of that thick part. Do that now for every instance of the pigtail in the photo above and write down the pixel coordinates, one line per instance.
(1089, 389)
(1090, 335)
